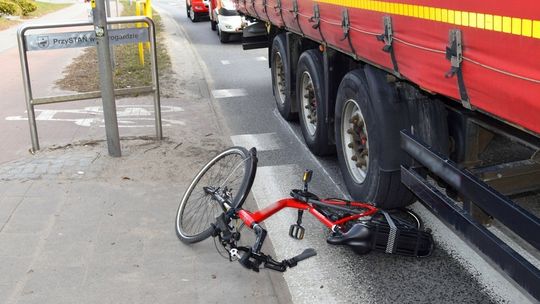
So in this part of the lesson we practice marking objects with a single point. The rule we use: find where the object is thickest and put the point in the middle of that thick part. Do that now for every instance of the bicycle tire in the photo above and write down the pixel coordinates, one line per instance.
(241, 158)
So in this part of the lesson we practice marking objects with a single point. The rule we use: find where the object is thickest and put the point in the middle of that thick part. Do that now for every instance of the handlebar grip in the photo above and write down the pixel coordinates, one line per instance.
(302, 256)
(305, 255)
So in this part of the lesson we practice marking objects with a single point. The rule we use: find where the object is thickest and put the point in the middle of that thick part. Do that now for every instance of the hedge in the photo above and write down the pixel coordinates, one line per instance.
(26, 6)
(8, 8)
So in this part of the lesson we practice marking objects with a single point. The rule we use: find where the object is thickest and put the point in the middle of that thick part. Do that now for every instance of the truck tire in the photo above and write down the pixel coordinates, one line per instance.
(368, 118)
(280, 69)
(312, 108)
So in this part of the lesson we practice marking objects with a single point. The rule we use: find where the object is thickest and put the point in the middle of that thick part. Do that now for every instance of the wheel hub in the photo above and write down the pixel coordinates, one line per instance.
(355, 141)
(358, 141)
(309, 103)
(280, 78)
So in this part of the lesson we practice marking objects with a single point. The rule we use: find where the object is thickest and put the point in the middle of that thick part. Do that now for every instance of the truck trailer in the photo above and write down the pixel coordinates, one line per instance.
(431, 100)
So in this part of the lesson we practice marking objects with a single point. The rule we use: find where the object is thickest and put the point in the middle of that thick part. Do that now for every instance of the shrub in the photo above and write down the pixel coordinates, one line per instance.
(26, 6)
(8, 8)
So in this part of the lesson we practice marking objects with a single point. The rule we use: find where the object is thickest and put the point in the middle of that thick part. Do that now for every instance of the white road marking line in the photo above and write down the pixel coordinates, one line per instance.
(274, 183)
(129, 116)
(225, 62)
(262, 141)
(226, 93)
(44, 115)
(261, 58)
(286, 124)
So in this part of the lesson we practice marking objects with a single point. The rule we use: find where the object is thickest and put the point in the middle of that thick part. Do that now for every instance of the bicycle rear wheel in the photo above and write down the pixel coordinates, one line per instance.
(231, 174)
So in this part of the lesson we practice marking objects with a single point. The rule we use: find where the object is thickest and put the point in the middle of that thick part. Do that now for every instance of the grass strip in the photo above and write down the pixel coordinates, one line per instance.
(82, 74)
(43, 8)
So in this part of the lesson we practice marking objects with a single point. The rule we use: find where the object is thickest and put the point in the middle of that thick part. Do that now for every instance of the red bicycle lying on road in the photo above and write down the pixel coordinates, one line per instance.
(216, 195)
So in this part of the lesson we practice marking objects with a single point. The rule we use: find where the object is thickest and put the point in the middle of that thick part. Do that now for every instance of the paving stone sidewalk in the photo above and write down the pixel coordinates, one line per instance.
(77, 226)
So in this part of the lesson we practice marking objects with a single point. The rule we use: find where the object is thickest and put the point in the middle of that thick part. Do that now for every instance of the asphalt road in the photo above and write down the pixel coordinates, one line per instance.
(240, 84)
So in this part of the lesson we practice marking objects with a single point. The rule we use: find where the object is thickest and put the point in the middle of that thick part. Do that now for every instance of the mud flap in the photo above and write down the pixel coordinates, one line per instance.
(255, 36)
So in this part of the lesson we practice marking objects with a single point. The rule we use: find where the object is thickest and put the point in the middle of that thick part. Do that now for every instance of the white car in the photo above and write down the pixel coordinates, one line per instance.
(225, 19)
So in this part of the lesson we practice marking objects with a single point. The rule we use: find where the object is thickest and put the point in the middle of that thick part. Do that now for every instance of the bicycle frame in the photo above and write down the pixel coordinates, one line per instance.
(253, 257)
(250, 219)
(360, 226)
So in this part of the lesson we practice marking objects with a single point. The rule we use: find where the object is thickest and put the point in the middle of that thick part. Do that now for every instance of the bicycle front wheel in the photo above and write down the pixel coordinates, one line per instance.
(230, 174)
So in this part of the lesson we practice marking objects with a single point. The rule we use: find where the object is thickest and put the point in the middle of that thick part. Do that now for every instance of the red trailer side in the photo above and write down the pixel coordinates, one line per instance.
(500, 39)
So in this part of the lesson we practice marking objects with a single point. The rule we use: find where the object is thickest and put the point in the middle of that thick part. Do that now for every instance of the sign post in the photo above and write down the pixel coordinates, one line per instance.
(106, 79)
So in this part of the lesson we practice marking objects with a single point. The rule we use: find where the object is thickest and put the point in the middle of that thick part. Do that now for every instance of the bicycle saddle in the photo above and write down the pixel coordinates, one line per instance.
(359, 238)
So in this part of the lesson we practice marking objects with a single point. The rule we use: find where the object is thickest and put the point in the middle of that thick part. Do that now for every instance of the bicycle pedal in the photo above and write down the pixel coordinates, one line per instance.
(297, 231)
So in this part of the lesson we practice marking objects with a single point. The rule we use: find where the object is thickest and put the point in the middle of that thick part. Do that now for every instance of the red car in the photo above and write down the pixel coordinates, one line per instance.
(197, 9)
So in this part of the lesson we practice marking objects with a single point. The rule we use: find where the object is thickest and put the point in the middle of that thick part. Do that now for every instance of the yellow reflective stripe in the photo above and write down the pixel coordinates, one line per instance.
(516, 26)
(526, 27)
(505, 24)
(497, 23)
(536, 29)
(489, 22)
(480, 21)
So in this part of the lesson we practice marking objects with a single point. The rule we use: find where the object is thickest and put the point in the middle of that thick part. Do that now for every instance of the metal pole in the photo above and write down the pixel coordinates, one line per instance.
(28, 90)
(106, 80)
(155, 79)
(111, 47)
(117, 10)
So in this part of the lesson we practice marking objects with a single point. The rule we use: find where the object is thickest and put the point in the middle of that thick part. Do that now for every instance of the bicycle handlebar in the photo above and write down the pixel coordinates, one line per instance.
(252, 260)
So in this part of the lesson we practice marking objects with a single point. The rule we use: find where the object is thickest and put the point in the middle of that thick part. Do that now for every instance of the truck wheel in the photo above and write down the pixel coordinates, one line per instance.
(310, 93)
(280, 69)
(368, 118)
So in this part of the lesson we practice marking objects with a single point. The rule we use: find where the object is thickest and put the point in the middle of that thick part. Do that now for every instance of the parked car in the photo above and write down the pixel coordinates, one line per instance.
(225, 19)
(196, 10)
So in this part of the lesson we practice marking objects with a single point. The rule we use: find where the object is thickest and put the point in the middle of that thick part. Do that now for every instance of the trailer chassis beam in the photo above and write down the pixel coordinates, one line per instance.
(514, 217)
